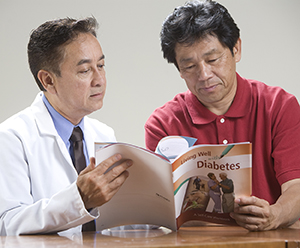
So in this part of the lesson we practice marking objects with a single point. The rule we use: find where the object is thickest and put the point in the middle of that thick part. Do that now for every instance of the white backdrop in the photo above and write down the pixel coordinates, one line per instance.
(139, 79)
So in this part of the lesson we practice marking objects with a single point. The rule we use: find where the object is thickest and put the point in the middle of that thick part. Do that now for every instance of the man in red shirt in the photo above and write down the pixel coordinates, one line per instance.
(221, 107)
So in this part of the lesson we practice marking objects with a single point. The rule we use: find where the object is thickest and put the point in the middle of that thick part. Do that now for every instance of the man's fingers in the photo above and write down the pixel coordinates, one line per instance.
(89, 168)
(118, 181)
(117, 171)
(97, 184)
(252, 213)
(252, 200)
(107, 163)
(253, 210)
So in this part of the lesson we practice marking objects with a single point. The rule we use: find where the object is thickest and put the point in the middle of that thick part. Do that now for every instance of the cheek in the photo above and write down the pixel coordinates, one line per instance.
(82, 87)
(189, 78)
(190, 84)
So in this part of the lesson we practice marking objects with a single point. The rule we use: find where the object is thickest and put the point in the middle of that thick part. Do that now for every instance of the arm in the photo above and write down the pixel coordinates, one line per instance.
(26, 207)
(224, 186)
(213, 187)
(256, 214)
(228, 186)
(37, 193)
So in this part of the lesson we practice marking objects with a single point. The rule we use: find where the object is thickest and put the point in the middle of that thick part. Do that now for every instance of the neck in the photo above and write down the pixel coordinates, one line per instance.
(62, 111)
(221, 109)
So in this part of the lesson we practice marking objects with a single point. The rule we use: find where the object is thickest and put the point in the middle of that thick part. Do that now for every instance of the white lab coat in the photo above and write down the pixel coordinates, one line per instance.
(37, 177)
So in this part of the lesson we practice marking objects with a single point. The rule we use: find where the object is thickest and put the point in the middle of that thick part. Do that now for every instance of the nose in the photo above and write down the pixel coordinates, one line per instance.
(204, 71)
(99, 78)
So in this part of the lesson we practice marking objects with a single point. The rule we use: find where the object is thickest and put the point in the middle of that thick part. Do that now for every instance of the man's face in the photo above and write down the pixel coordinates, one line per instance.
(80, 89)
(209, 70)
(222, 177)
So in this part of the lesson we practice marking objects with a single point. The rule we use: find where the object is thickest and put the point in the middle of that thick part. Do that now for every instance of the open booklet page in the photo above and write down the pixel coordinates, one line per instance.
(146, 197)
(192, 187)
(207, 178)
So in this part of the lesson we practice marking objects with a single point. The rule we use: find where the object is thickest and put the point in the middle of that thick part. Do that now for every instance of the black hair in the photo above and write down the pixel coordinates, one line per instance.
(195, 20)
(46, 44)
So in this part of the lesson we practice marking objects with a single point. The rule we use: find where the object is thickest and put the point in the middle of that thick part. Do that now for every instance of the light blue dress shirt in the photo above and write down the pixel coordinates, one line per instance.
(65, 128)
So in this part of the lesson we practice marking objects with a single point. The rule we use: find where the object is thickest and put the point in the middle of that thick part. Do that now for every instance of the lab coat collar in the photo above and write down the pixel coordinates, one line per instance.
(42, 117)
(46, 127)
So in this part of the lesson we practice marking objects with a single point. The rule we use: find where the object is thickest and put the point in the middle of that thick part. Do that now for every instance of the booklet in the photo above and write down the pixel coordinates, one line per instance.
(178, 183)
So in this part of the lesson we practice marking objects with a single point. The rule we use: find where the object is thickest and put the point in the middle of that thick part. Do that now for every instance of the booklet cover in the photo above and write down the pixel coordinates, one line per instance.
(178, 183)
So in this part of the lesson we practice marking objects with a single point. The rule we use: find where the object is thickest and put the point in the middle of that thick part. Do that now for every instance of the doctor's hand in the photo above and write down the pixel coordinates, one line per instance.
(253, 214)
(97, 188)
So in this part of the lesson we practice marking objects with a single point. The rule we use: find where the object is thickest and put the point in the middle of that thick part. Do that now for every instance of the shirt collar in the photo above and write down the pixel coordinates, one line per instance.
(63, 126)
(239, 107)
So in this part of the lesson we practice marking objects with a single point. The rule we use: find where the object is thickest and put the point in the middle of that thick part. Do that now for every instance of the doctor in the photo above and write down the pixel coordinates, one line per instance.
(41, 191)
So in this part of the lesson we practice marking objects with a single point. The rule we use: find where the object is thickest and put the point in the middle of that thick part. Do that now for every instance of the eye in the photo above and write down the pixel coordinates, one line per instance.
(189, 67)
(212, 60)
(101, 66)
(215, 58)
(84, 71)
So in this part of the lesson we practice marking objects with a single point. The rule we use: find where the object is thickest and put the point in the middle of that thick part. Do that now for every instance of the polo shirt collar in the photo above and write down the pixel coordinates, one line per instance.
(239, 108)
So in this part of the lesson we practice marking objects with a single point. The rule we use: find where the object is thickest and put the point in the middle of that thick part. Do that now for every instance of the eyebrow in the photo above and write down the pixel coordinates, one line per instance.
(87, 61)
(184, 60)
(212, 51)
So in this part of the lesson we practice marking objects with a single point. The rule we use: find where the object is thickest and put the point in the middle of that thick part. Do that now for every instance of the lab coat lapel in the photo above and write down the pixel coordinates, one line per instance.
(46, 126)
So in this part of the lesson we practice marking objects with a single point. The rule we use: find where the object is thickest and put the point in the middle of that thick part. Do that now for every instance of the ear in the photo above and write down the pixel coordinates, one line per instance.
(47, 80)
(237, 50)
(180, 75)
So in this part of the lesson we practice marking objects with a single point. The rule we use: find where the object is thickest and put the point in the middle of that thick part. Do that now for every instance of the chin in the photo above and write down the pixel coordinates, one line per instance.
(99, 106)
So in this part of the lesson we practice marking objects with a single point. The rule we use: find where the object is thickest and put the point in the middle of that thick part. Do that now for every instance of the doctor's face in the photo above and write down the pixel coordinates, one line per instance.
(209, 70)
(80, 88)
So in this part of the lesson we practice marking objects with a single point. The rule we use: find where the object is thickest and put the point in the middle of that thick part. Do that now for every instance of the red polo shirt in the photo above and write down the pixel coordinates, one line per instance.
(266, 116)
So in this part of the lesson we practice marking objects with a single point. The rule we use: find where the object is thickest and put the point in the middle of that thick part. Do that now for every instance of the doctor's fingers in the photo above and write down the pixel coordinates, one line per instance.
(89, 168)
(103, 166)
(97, 190)
(102, 194)
(119, 170)
(107, 164)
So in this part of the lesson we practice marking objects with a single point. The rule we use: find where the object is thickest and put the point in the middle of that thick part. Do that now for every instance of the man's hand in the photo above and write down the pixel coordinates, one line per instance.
(97, 188)
(253, 214)
(256, 214)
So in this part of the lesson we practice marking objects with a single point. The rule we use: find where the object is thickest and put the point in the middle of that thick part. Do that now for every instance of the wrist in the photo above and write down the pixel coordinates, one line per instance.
(278, 216)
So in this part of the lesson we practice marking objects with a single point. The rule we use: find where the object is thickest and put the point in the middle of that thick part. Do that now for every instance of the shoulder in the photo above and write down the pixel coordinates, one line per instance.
(269, 92)
(272, 98)
(99, 129)
(175, 107)
(210, 182)
(166, 120)
(18, 131)
(20, 121)
(274, 105)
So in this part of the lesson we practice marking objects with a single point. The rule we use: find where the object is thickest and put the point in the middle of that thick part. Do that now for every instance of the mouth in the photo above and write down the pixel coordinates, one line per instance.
(209, 88)
(97, 95)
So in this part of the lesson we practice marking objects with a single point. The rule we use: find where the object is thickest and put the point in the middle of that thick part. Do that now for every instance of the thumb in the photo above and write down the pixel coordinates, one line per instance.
(90, 167)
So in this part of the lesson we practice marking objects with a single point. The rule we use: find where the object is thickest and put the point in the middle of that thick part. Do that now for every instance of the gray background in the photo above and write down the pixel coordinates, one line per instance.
(139, 79)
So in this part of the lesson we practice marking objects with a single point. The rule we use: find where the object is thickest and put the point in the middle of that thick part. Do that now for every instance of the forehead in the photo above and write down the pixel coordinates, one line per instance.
(85, 46)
